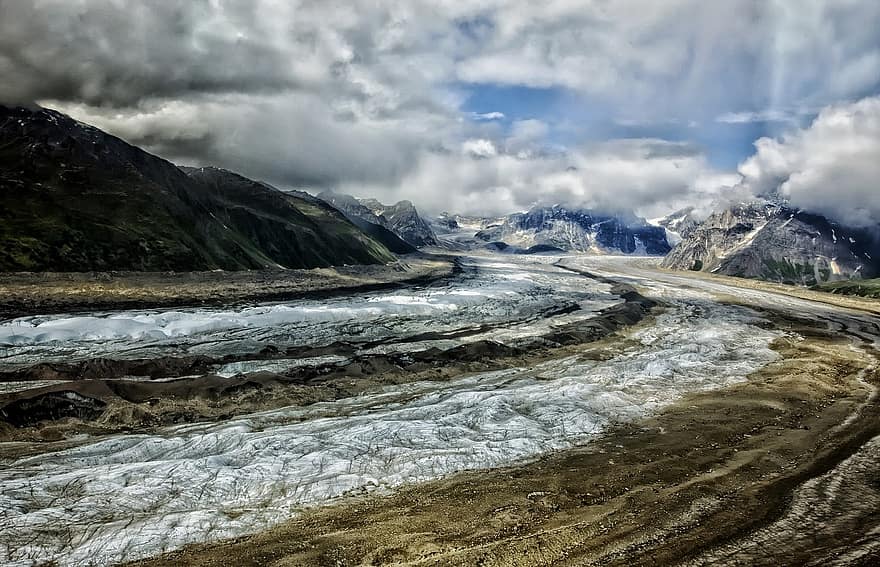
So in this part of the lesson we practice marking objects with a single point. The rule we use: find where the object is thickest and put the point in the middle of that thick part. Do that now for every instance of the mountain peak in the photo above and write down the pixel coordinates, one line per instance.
(578, 229)
(775, 242)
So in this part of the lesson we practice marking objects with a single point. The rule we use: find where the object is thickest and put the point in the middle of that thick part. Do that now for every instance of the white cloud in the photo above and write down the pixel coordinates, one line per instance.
(768, 115)
(479, 148)
(488, 116)
(651, 176)
(830, 167)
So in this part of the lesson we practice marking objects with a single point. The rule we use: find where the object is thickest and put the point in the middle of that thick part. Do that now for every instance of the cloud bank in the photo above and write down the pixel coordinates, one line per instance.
(376, 97)
(831, 167)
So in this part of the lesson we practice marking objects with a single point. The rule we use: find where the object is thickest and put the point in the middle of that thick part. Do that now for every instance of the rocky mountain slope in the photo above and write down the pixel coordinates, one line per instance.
(578, 230)
(365, 220)
(74, 198)
(402, 218)
(777, 243)
(678, 225)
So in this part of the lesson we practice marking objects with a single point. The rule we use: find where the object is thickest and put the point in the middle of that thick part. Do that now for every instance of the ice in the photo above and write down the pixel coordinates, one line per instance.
(132, 496)
(275, 365)
(505, 294)
(10, 387)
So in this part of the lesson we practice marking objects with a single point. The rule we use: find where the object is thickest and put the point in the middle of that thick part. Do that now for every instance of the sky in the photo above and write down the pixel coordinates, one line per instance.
(479, 106)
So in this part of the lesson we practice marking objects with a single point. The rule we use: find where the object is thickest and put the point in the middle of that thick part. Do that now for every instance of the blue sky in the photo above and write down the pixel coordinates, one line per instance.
(574, 118)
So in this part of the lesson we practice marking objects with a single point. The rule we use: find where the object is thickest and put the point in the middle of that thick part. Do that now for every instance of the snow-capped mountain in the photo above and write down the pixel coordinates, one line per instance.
(777, 243)
(580, 230)
(402, 218)
(453, 223)
(678, 225)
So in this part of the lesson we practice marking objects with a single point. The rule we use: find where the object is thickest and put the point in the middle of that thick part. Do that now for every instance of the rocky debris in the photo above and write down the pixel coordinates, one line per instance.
(51, 406)
(104, 368)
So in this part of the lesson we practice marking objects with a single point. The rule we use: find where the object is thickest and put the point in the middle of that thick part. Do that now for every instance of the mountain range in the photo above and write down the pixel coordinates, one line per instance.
(401, 218)
(74, 198)
(580, 230)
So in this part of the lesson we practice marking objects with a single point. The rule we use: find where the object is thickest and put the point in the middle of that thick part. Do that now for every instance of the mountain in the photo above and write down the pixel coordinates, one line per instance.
(363, 218)
(678, 225)
(404, 220)
(449, 223)
(401, 218)
(74, 198)
(777, 243)
(580, 230)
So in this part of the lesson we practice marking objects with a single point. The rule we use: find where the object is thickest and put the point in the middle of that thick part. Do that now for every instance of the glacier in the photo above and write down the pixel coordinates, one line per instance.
(125, 497)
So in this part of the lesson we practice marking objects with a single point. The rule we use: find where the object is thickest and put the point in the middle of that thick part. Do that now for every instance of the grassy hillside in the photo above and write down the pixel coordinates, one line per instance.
(863, 288)
(73, 198)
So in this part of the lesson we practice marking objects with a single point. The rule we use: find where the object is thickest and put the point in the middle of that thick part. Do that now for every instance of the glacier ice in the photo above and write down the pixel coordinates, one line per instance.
(496, 294)
(130, 496)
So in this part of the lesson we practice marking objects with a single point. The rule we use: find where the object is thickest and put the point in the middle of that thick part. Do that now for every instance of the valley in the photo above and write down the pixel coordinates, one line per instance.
(547, 364)
(496, 284)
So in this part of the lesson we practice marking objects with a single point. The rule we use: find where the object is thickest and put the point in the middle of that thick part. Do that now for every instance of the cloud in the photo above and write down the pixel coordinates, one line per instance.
(488, 116)
(479, 149)
(293, 140)
(371, 95)
(830, 167)
(648, 175)
(768, 115)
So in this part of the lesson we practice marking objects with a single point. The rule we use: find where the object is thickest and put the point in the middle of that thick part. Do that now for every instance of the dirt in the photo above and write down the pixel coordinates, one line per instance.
(712, 474)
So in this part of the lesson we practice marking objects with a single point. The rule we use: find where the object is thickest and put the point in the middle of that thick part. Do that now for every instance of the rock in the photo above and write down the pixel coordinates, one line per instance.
(51, 406)
(777, 243)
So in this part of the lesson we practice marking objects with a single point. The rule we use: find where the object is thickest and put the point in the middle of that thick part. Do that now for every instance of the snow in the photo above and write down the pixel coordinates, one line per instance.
(275, 365)
(746, 240)
(673, 238)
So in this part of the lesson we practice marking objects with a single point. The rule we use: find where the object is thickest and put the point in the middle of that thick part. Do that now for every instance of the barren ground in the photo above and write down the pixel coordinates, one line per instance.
(38, 293)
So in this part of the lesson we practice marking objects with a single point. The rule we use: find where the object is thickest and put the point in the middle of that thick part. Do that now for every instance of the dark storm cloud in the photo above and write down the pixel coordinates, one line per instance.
(119, 53)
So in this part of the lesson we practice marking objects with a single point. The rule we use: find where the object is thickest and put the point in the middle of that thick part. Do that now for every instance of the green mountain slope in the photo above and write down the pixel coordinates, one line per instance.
(73, 198)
